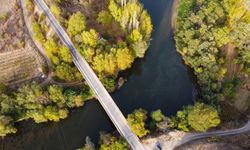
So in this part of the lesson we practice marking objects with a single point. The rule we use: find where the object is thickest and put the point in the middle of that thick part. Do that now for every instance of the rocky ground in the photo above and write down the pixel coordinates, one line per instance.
(165, 140)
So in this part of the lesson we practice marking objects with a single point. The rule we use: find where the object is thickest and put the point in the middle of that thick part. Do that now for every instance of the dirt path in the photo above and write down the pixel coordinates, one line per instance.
(242, 99)
(231, 66)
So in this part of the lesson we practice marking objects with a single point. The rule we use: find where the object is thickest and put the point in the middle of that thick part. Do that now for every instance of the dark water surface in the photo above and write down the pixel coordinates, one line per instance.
(159, 81)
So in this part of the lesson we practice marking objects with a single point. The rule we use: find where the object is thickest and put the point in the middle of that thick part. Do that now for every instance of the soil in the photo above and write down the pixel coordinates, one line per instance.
(242, 98)
(18, 58)
(231, 66)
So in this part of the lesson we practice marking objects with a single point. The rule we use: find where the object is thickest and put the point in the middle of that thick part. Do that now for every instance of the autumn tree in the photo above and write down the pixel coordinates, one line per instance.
(199, 117)
(137, 120)
(6, 126)
(109, 142)
(157, 116)
(105, 18)
(76, 24)
(38, 33)
(90, 38)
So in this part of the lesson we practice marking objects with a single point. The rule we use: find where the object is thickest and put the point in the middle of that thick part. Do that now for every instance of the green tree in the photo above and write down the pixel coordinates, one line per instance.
(88, 53)
(3, 88)
(30, 96)
(199, 117)
(56, 95)
(74, 99)
(52, 113)
(137, 120)
(202, 117)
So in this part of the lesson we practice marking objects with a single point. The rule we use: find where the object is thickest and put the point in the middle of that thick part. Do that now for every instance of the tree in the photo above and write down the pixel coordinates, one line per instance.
(38, 33)
(3, 88)
(6, 126)
(51, 47)
(135, 36)
(202, 117)
(157, 116)
(38, 115)
(105, 18)
(124, 58)
(28, 96)
(76, 24)
(146, 25)
(65, 54)
(109, 142)
(56, 95)
(105, 63)
(88, 53)
(236, 9)
(74, 99)
(29, 5)
(7, 104)
(199, 117)
(109, 83)
(66, 72)
(90, 38)
(55, 10)
(137, 120)
(115, 11)
(140, 48)
(52, 113)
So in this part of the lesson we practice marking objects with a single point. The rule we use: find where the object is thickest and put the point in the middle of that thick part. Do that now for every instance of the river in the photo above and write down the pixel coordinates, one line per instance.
(159, 81)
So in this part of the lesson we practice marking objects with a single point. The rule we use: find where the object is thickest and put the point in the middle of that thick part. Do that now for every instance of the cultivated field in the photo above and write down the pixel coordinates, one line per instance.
(19, 60)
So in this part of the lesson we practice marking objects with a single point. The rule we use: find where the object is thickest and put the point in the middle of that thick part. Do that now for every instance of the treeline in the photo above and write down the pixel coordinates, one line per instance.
(199, 117)
(204, 29)
(119, 33)
(32, 101)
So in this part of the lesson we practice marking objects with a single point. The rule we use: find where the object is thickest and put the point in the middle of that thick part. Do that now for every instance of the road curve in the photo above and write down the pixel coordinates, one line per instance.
(40, 50)
(100, 92)
(193, 137)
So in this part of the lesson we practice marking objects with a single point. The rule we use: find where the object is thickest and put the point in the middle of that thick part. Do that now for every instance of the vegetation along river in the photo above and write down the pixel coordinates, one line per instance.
(159, 81)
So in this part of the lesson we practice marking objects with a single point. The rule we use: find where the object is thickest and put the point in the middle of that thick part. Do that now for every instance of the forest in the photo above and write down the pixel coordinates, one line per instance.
(109, 36)
(42, 104)
(213, 38)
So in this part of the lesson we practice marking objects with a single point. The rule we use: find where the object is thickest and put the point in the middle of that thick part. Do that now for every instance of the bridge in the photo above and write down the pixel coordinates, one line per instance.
(95, 84)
